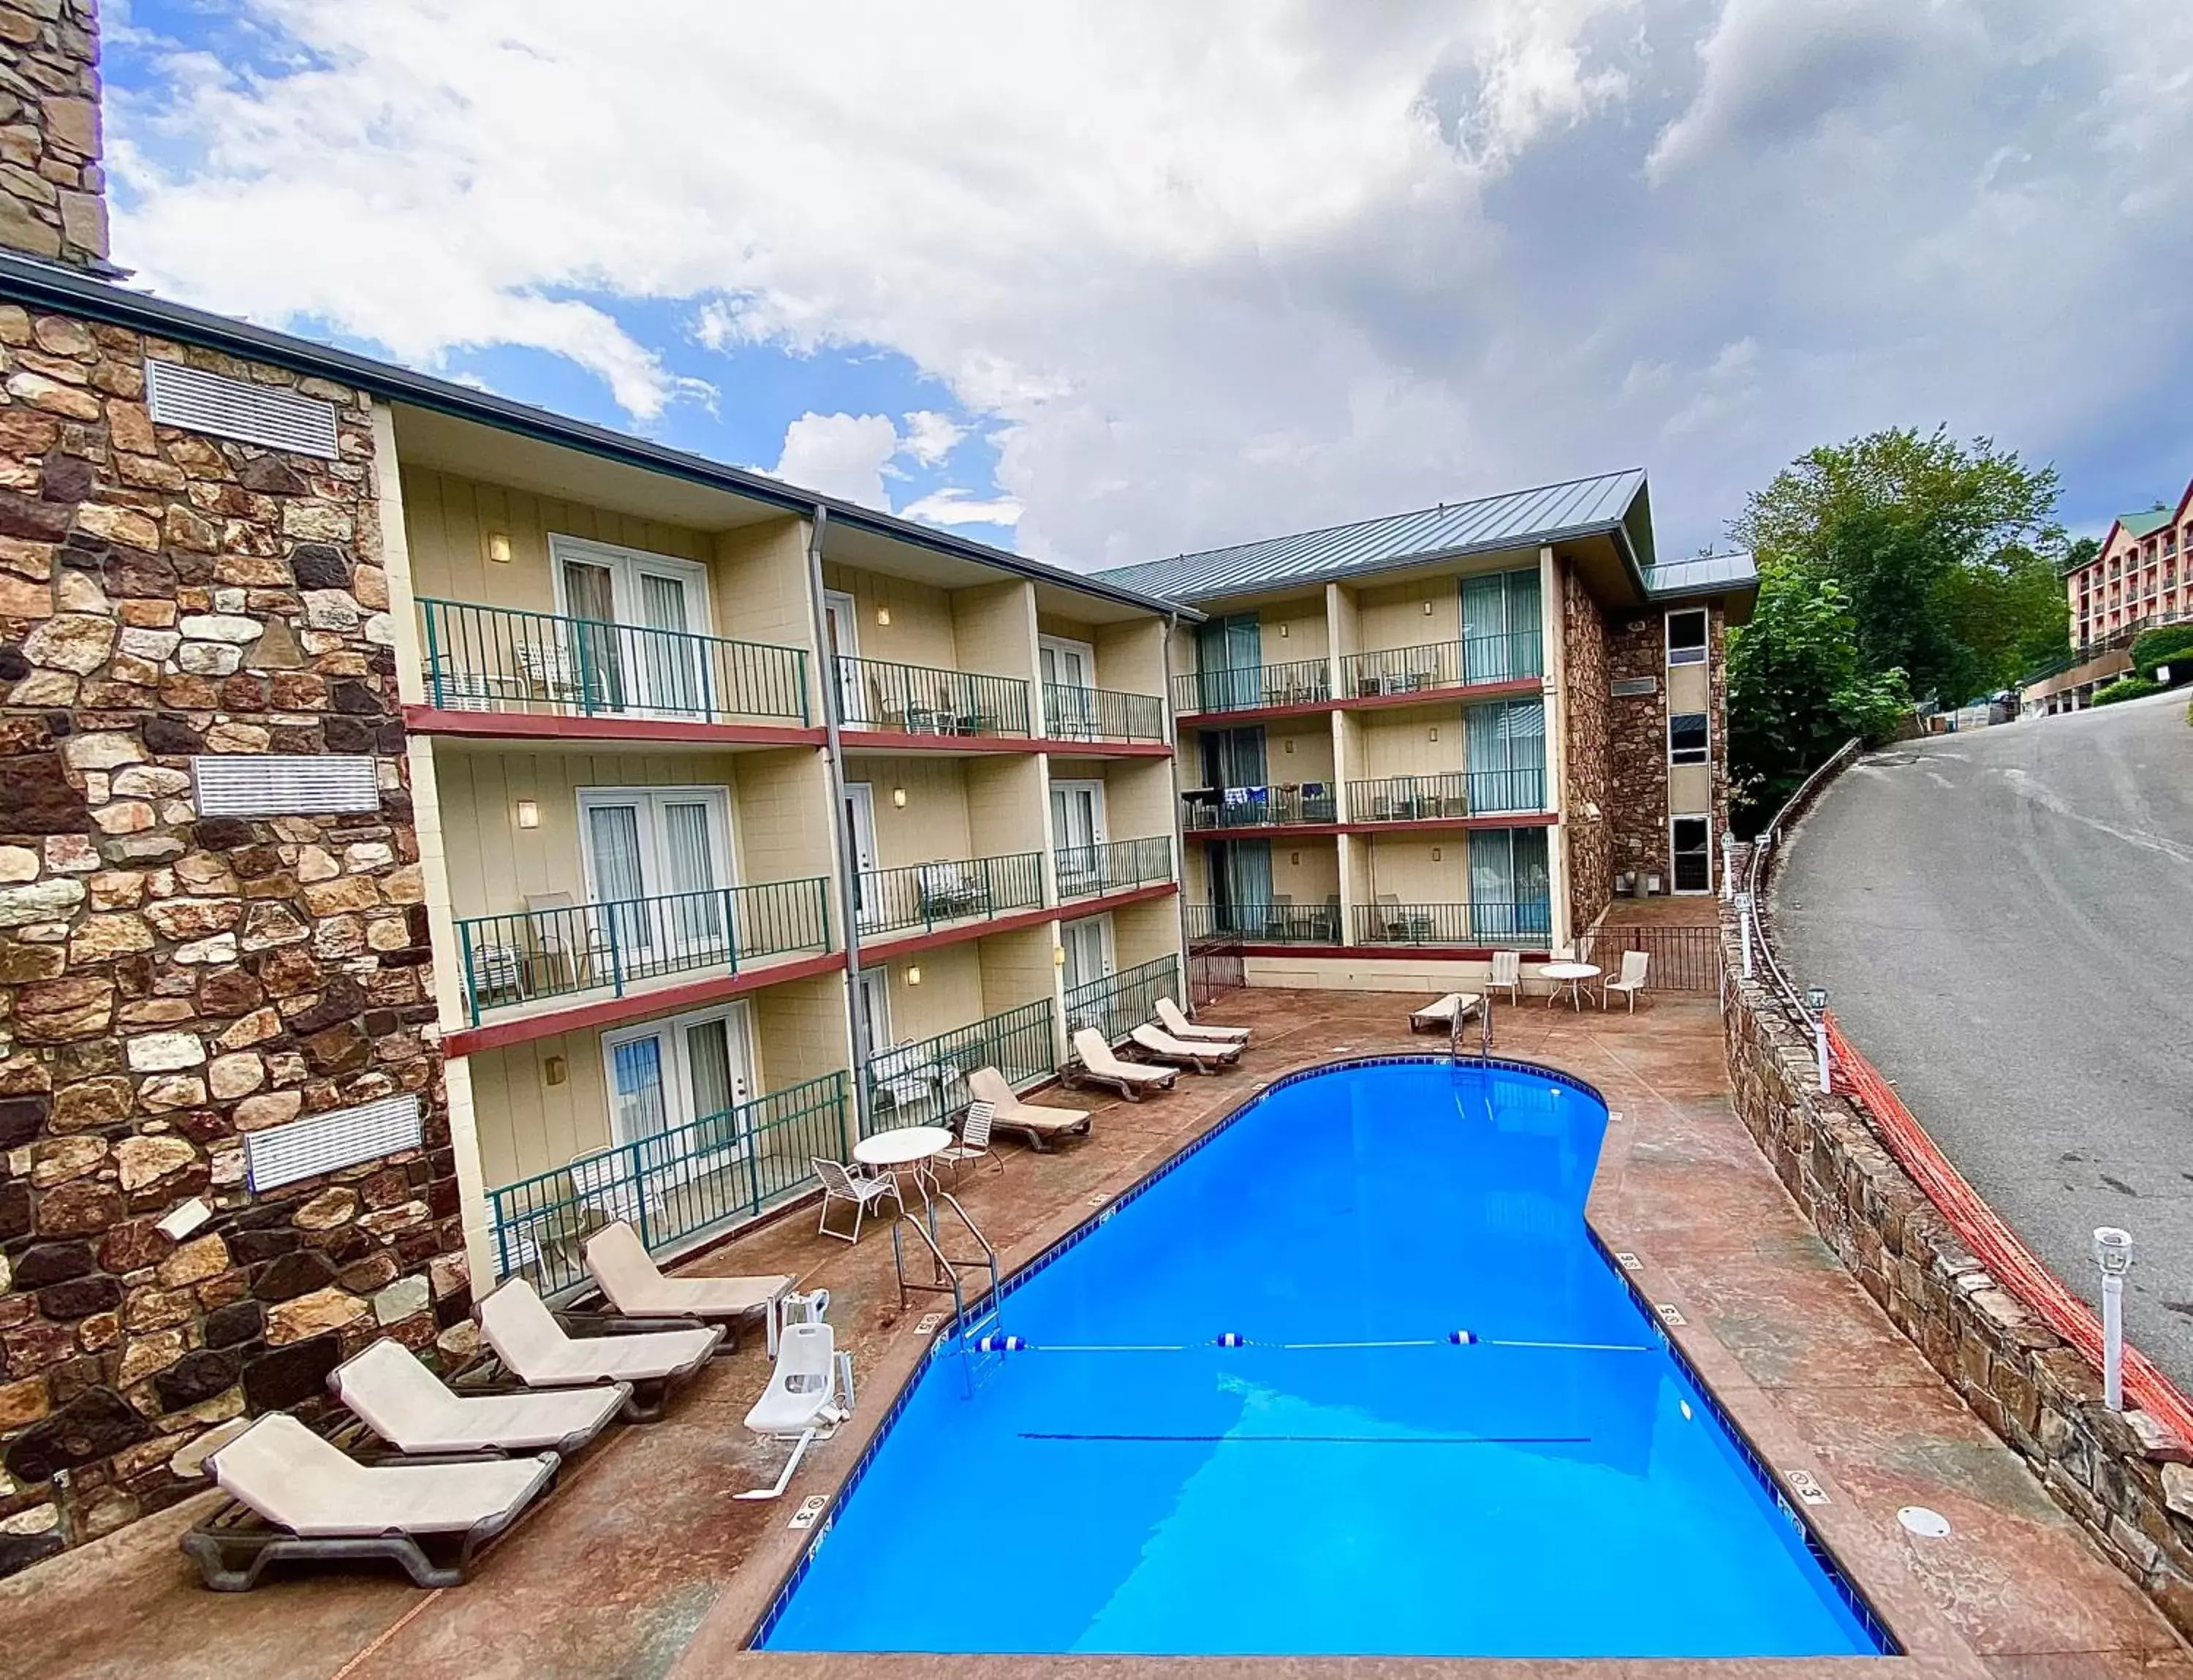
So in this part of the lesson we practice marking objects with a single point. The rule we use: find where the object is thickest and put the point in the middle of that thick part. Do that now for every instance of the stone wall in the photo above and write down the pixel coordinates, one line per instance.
(53, 200)
(2128, 1485)
(169, 982)
(1585, 704)
(1637, 748)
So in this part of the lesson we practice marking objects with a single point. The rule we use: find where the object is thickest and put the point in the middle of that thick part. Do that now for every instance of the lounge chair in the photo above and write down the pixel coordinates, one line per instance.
(1161, 1045)
(294, 1496)
(1171, 1019)
(538, 1352)
(1508, 973)
(1039, 1125)
(1443, 1012)
(810, 1393)
(1634, 964)
(841, 1185)
(1099, 1066)
(414, 1410)
(634, 1285)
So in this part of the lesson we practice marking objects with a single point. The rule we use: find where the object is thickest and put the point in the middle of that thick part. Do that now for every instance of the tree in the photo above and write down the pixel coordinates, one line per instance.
(1798, 688)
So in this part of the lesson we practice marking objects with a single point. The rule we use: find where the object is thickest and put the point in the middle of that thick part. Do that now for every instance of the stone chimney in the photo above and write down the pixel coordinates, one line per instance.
(52, 199)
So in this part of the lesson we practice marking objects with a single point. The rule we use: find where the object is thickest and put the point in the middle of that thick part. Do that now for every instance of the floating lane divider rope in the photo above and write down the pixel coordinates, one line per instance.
(993, 1342)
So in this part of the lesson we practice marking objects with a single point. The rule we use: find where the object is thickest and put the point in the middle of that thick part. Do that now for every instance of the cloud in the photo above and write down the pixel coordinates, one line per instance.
(931, 436)
(1200, 273)
(952, 507)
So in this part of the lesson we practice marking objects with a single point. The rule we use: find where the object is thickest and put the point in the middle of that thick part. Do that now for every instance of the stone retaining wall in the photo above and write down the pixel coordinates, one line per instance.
(2128, 1484)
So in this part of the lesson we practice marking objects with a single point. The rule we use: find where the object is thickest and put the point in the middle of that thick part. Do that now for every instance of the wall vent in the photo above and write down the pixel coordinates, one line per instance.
(1630, 688)
(268, 414)
(304, 1149)
(270, 785)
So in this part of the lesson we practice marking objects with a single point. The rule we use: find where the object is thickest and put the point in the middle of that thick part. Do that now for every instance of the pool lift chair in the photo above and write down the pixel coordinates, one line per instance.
(810, 1393)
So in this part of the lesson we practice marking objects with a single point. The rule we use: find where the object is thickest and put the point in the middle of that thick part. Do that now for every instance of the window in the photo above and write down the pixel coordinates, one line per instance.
(681, 1072)
(1088, 947)
(1069, 671)
(1500, 621)
(634, 645)
(1505, 753)
(658, 859)
(1690, 853)
(1686, 737)
(1687, 637)
(1510, 894)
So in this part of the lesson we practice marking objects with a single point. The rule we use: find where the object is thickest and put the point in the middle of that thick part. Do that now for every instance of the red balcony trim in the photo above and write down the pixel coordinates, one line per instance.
(1228, 719)
(548, 726)
(1391, 953)
(1074, 909)
(1061, 747)
(893, 741)
(1465, 693)
(636, 1005)
(890, 948)
(1431, 825)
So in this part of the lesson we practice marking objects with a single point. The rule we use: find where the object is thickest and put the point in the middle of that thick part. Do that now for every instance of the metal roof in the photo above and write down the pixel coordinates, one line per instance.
(2146, 522)
(43, 285)
(1520, 518)
(1700, 575)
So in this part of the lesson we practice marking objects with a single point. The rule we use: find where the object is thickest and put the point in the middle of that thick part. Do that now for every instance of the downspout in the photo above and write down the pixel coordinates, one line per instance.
(848, 865)
(1179, 836)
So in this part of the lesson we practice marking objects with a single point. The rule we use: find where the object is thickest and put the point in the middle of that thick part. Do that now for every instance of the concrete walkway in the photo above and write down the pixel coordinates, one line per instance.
(644, 1565)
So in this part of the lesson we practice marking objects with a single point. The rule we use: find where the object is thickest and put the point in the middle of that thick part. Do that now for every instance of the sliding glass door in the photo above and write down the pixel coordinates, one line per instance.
(1510, 893)
(636, 643)
(1500, 627)
(658, 860)
(692, 1071)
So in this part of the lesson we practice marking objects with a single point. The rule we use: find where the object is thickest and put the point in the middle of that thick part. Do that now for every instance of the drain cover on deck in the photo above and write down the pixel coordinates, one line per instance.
(1929, 1524)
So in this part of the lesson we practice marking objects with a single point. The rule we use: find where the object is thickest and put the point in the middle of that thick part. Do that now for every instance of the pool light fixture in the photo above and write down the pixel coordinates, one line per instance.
(2113, 1254)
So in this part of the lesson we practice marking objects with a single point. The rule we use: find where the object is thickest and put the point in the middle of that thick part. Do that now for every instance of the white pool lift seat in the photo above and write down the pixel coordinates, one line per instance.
(810, 1394)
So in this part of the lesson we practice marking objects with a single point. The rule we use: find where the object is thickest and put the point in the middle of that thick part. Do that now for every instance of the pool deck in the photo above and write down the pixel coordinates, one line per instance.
(642, 1563)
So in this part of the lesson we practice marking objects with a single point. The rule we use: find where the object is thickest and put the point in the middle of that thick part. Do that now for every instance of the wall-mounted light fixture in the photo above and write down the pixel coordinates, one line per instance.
(555, 1070)
(898, 798)
(1435, 732)
(1294, 857)
(1058, 956)
(913, 974)
(498, 548)
(528, 814)
(883, 614)
(1435, 854)
(1427, 609)
(1283, 633)
(1290, 743)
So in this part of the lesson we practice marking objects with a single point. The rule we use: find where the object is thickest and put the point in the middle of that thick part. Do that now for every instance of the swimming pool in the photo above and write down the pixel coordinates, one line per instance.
(1490, 1495)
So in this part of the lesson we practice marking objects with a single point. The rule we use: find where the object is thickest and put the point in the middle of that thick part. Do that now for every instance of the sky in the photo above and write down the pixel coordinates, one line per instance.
(1106, 282)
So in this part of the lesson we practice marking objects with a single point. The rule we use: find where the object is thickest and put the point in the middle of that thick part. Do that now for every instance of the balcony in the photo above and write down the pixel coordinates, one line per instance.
(1513, 657)
(1279, 806)
(929, 895)
(923, 1081)
(1071, 714)
(505, 660)
(1116, 866)
(1116, 1004)
(879, 694)
(1300, 682)
(715, 1174)
(1281, 922)
(1483, 923)
(571, 949)
(1457, 794)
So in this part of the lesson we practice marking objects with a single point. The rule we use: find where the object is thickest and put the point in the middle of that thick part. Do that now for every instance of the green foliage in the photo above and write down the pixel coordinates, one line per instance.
(2080, 550)
(2163, 646)
(2125, 688)
(1798, 688)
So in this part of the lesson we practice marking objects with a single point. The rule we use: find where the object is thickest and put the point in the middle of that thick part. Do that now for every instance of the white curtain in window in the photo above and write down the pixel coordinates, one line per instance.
(636, 1108)
(613, 840)
(688, 867)
(710, 1080)
(672, 661)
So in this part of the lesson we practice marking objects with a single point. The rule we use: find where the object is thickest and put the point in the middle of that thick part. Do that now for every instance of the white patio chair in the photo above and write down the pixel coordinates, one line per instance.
(974, 1142)
(840, 1184)
(1634, 964)
(1508, 972)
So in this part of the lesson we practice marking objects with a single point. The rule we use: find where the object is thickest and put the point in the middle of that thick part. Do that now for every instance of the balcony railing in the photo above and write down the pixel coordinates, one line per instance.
(1085, 871)
(716, 1172)
(612, 946)
(1278, 923)
(1389, 921)
(1509, 657)
(1300, 682)
(922, 895)
(1423, 799)
(1071, 714)
(925, 700)
(500, 659)
(1271, 807)
(1116, 1004)
(923, 1081)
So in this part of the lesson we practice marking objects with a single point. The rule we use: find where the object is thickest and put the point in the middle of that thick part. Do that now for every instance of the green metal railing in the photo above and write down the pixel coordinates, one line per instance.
(1422, 799)
(1116, 1004)
(1299, 682)
(1275, 806)
(922, 895)
(503, 659)
(924, 700)
(1085, 871)
(1265, 924)
(1482, 923)
(544, 953)
(923, 1081)
(1071, 714)
(1511, 656)
(716, 1172)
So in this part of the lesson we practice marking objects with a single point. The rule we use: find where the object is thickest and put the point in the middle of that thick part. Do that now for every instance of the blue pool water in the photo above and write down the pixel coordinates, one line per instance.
(1437, 1501)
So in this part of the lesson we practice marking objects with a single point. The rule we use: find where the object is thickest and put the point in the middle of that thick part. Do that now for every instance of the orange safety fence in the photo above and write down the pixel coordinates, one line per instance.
(1992, 1242)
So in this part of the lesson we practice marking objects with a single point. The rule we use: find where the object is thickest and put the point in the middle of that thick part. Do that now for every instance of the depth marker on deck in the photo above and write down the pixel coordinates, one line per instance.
(927, 1322)
(1628, 1262)
(1669, 1313)
(809, 1509)
(1806, 1488)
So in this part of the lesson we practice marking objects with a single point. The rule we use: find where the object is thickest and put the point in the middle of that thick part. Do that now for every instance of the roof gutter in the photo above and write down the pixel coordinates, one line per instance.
(42, 286)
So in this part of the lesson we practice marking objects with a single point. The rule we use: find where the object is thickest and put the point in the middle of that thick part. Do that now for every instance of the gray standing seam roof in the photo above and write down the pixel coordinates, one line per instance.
(1512, 519)
(1701, 574)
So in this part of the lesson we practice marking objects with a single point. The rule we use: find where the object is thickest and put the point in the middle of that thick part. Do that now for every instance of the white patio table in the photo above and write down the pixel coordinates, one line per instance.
(1570, 974)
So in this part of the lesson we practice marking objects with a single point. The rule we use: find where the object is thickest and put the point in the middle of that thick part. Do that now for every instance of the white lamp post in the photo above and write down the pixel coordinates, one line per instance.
(2113, 1254)
(1816, 1000)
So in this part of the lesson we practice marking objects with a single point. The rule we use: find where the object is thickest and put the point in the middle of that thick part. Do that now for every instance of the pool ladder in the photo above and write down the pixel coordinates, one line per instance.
(1484, 1033)
(944, 1279)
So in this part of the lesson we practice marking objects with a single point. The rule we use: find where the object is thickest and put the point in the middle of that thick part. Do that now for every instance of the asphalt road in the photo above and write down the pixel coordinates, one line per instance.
(2004, 919)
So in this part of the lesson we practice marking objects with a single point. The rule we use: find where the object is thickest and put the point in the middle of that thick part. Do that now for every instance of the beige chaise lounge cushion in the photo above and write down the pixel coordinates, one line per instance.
(1096, 1056)
(1181, 1027)
(987, 1085)
(1161, 1043)
(297, 1480)
(634, 1285)
(1447, 1008)
(526, 1337)
(409, 1407)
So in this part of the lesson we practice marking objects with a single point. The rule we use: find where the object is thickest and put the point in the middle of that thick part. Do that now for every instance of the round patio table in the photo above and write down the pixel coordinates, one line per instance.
(1570, 974)
(905, 1147)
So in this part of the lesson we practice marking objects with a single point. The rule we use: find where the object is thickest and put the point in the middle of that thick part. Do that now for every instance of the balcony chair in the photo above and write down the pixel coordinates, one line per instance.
(948, 891)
